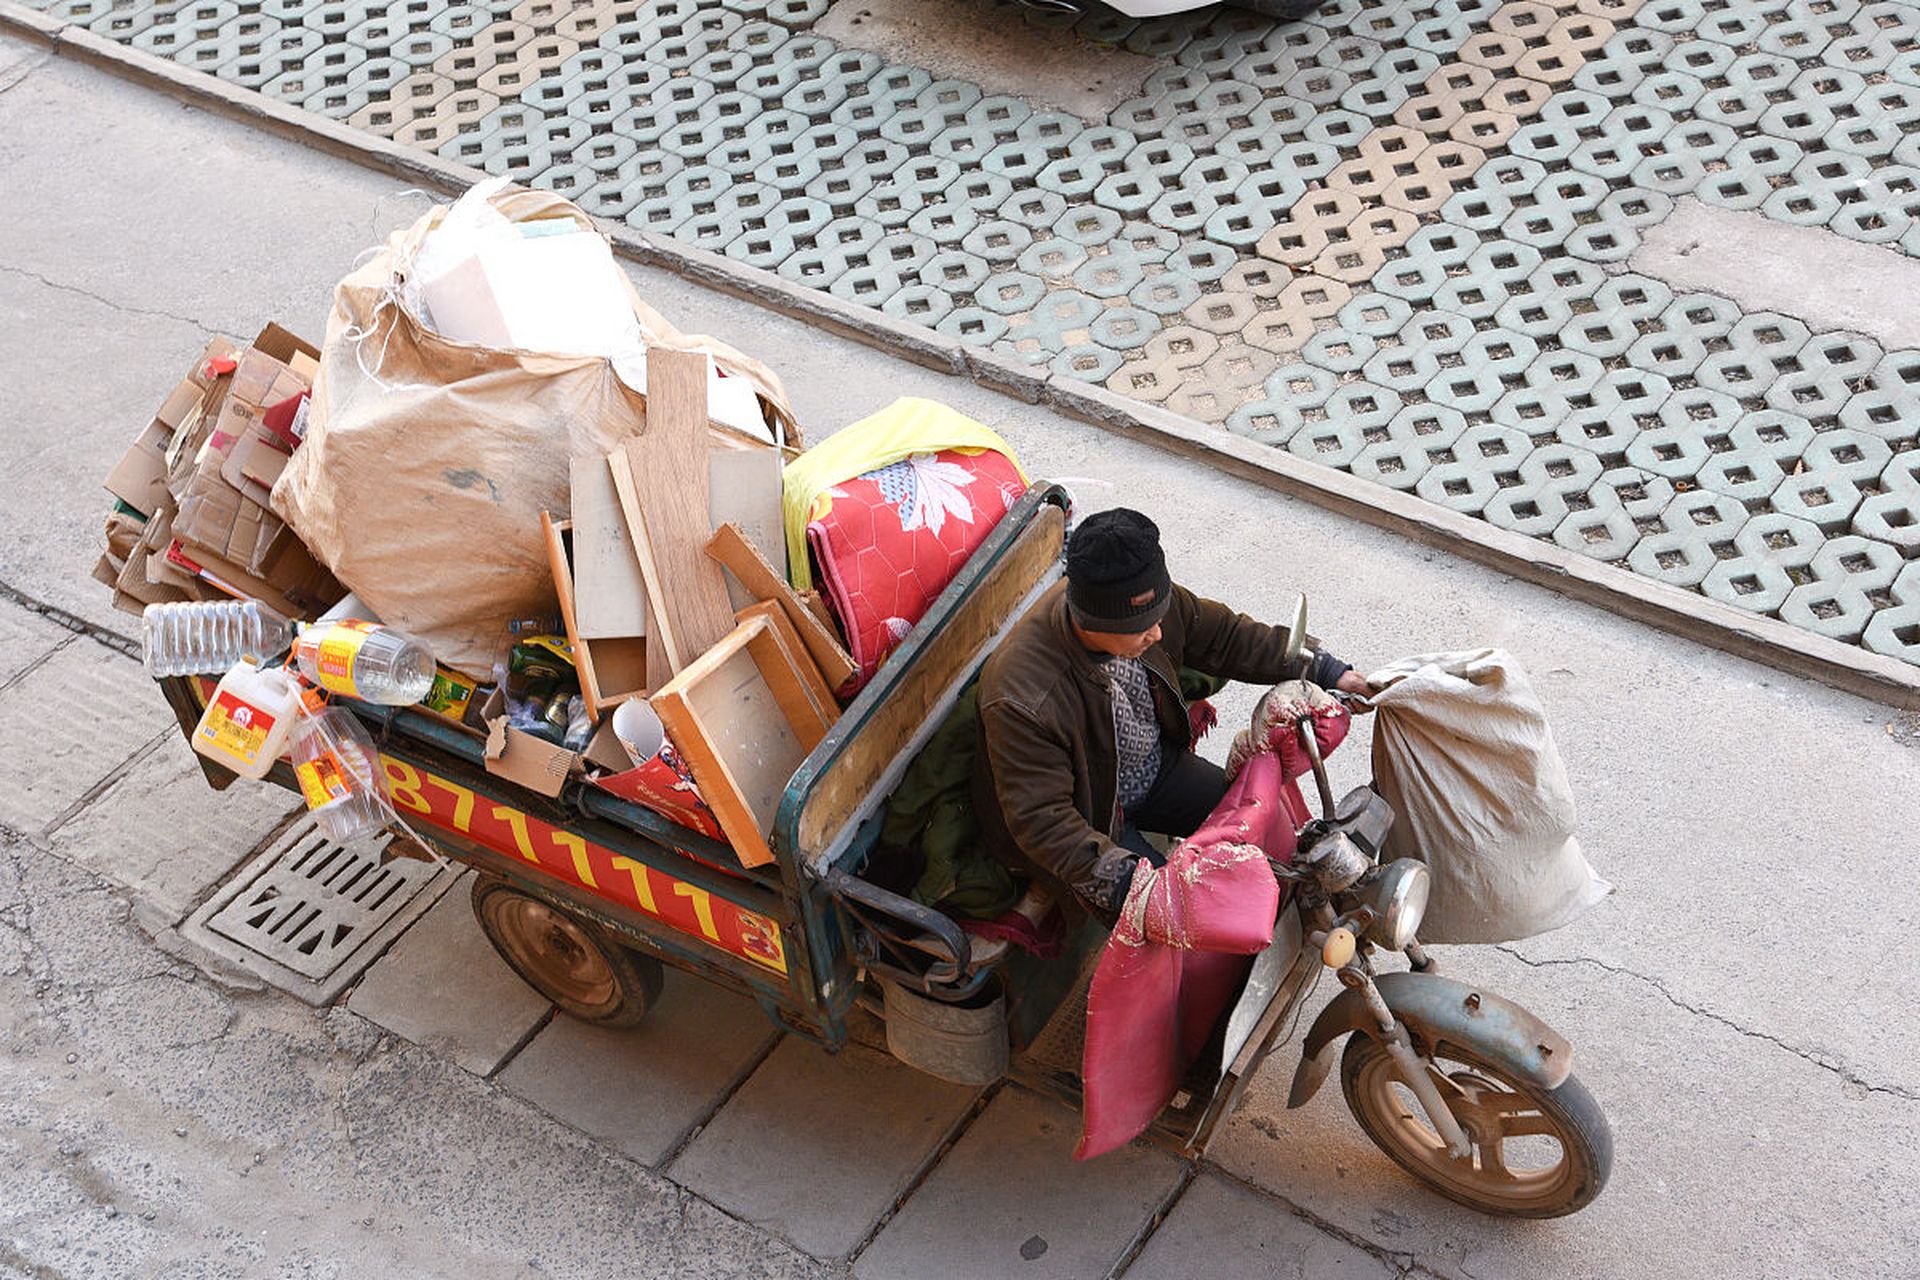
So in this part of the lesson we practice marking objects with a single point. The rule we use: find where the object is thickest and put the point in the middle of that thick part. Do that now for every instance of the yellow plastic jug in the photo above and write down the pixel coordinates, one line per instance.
(249, 719)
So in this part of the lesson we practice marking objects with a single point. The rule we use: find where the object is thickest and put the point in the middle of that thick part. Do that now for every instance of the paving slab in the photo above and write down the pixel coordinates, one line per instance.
(1805, 272)
(171, 865)
(816, 1146)
(68, 723)
(156, 1125)
(1010, 1201)
(639, 1090)
(25, 638)
(444, 987)
(1220, 1230)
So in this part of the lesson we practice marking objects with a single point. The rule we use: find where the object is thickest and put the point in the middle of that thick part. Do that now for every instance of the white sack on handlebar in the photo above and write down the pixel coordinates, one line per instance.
(1462, 751)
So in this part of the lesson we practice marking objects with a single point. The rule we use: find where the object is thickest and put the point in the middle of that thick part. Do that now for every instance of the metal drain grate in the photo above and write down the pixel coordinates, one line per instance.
(308, 915)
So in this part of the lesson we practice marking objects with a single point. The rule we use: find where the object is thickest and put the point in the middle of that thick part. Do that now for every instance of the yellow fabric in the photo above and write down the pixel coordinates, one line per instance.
(905, 427)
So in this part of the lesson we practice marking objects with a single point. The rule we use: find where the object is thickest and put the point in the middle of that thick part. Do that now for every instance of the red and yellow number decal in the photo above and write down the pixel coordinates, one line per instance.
(686, 908)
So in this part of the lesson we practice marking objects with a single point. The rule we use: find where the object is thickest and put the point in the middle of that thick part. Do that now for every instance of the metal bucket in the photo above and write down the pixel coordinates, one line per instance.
(965, 1043)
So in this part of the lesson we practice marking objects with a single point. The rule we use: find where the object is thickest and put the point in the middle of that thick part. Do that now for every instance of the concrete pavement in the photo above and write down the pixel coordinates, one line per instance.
(1738, 1005)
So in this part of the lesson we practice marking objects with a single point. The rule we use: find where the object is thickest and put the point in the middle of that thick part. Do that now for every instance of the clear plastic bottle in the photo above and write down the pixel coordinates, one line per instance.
(339, 771)
(205, 636)
(365, 660)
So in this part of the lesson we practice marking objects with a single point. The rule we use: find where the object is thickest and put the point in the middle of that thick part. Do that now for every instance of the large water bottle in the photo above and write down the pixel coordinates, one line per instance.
(339, 772)
(205, 636)
(365, 660)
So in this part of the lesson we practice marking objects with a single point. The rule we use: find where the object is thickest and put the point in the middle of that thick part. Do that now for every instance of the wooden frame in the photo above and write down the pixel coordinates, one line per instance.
(611, 669)
(743, 560)
(743, 717)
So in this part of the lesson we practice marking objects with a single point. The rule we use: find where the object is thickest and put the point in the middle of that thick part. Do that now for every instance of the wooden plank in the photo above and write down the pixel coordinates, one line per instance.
(610, 596)
(799, 668)
(742, 734)
(838, 793)
(730, 548)
(663, 648)
(817, 606)
(668, 472)
(611, 669)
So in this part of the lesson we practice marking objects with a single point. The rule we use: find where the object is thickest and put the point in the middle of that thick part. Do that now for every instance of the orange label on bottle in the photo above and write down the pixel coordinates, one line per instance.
(334, 655)
(323, 781)
(236, 727)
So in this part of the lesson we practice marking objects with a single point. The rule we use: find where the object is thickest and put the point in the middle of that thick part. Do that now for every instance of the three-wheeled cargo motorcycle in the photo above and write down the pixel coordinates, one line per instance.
(587, 896)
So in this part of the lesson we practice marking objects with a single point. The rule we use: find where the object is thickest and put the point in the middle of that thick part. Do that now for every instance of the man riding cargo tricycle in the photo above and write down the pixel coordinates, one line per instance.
(587, 896)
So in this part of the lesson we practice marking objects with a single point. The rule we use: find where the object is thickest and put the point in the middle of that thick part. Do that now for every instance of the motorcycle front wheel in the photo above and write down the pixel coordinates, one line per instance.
(1537, 1153)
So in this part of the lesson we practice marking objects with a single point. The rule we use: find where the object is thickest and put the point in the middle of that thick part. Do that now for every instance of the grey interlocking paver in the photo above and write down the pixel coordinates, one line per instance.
(741, 129)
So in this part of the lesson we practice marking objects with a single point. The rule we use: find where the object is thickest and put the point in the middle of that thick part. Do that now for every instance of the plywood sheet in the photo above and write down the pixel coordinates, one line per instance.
(612, 668)
(609, 595)
(743, 488)
(664, 653)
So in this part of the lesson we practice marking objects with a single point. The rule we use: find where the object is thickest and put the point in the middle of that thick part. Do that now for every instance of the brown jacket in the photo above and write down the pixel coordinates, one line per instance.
(1046, 775)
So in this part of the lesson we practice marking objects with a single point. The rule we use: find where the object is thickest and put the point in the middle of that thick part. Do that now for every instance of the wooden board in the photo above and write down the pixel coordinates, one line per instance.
(741, 718)
(663, 653)
(730, 548)
(817, 606)
(667, 517)
(609, 595)
(611, 669)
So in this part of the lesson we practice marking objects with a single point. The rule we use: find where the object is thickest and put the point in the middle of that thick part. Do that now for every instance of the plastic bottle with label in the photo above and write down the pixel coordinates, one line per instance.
(249, 719)
(365, 660)
(338, 768)
(204, 636)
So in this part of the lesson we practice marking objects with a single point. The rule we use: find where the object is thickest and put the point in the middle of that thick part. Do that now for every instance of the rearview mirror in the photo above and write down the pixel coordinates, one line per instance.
(1297, 630)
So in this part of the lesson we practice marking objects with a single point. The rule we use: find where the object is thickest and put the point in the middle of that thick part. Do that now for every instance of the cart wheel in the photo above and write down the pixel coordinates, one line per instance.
(570, 961)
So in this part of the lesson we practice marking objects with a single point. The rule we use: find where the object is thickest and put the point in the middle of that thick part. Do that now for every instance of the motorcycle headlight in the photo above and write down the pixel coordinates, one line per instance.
(1399, 899)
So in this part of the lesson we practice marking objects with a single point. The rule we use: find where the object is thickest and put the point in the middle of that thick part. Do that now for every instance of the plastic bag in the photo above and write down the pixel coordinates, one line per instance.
(1462, 751)
(428, 460)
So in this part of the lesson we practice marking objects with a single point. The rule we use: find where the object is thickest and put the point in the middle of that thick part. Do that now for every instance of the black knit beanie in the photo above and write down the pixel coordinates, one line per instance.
(1116, 573)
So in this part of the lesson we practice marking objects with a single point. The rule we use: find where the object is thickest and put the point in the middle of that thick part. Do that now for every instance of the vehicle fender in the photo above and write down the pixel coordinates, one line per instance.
(1435, 1010)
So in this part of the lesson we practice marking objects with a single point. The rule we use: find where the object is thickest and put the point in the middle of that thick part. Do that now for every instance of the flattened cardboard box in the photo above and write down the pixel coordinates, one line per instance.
(139, 479)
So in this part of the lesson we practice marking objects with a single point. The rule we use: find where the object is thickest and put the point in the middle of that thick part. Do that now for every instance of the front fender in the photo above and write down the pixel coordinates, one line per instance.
(1437, 1009)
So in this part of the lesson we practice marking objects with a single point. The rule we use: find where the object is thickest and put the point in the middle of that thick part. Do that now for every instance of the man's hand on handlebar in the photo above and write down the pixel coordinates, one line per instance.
(1351, 690)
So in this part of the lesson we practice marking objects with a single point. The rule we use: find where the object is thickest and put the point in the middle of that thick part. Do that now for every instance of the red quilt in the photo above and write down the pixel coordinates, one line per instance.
(889, 541)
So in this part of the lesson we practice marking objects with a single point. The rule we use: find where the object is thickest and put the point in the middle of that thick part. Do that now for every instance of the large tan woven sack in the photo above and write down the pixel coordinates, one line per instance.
(428, 461)
(1462, 751)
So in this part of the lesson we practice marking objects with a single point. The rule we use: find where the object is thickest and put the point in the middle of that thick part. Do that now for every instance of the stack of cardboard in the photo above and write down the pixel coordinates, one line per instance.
(192, 520)
(670, 571)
